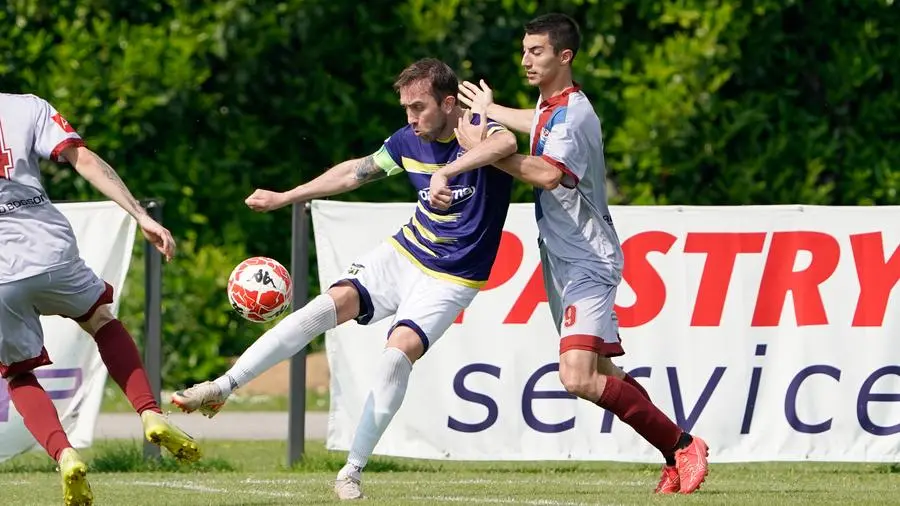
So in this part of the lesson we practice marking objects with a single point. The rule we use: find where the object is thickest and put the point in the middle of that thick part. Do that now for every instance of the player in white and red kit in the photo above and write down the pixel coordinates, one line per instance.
(41, 273)
(580, 251)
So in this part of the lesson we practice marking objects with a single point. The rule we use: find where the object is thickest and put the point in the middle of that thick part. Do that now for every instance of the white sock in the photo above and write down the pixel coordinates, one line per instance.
(382, 403)
(281, 342)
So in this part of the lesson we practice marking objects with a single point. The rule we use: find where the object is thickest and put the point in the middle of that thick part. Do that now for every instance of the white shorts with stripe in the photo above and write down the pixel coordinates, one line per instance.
(389, 284)
(72, 291)
(582, 307)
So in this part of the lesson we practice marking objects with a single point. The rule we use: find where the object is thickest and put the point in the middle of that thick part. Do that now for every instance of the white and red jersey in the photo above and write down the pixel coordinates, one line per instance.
(573, 219)
(34, 236)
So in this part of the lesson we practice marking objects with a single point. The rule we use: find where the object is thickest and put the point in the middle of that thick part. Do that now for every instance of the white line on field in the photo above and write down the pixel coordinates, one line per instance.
(258, 481)
(464, 499)
(206, 489)
(522, 481)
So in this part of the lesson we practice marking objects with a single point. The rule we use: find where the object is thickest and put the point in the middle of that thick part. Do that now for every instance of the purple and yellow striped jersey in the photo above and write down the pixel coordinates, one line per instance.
(458, 244)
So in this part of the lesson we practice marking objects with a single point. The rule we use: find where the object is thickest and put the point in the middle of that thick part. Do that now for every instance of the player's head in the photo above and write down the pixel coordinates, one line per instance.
(550, 44)
(428, 90)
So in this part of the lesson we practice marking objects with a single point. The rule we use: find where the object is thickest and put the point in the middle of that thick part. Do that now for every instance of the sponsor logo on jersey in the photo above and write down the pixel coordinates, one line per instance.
(15, 205)
(459, 193)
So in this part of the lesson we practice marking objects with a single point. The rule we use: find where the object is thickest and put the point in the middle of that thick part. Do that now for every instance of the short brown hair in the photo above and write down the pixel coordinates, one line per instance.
(439, 75)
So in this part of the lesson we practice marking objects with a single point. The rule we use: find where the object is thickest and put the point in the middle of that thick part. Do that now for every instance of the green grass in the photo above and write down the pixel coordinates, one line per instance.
(254, 473)
(114, 401)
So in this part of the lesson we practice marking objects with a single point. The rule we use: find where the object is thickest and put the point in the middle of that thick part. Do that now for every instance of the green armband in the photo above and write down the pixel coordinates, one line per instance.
(384, 161)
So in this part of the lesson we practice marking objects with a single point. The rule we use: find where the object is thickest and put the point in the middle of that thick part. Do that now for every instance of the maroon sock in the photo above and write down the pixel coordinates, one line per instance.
(119, 353)
(669, 455)
(633, 382)
(39, 414)
(631, 407)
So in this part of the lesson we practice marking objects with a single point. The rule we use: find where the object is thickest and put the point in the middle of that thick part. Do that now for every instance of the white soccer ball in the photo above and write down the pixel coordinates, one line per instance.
(259, 289)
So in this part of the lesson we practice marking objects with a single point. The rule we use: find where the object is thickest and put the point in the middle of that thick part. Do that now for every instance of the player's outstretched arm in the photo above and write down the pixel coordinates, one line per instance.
(104, 178)
(481, 98)
(343, 177)
(534, 170)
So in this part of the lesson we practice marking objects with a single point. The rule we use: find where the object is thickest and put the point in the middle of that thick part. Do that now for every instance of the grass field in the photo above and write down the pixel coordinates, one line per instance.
(253, 473)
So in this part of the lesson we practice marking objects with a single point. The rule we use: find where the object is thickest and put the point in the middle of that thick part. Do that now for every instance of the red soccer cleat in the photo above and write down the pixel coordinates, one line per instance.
(692, 465)
(669, 482)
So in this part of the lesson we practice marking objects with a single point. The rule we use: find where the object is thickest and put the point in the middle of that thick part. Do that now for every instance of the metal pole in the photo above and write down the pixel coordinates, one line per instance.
(300, 292)
(153, 317)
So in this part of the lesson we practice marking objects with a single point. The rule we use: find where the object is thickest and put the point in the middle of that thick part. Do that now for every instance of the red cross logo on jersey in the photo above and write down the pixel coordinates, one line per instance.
(63, 123)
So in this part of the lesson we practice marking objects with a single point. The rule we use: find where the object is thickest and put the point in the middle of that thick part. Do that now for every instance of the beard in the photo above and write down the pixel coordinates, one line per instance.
(433, 134)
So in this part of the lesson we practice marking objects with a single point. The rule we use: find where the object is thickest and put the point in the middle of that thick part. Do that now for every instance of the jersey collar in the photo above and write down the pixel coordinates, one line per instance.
(562, 98)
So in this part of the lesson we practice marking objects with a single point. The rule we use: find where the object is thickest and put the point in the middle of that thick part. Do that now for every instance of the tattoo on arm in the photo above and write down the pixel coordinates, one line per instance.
(111, 174)
(367, 171)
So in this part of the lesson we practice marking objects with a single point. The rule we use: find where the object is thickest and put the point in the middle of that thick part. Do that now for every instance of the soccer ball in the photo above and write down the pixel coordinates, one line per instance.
(259, 289)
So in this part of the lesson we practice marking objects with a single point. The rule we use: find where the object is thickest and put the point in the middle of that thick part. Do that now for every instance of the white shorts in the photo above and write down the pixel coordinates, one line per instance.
(72, 291)
(390, 284)
(583, 308)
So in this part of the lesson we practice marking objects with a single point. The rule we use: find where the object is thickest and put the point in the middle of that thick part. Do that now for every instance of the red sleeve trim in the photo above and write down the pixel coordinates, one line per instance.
(562, 167)
(62, 146)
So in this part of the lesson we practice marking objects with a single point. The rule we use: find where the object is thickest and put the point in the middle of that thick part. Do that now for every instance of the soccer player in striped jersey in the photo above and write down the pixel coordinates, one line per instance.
(422, 276)
(580, 251)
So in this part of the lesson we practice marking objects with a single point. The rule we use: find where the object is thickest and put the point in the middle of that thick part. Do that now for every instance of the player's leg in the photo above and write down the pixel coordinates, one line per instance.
(290, 335)
(589, 336)
(120, 355)
(429, 308)
(669, 483)
(123, 361)
(22, 350)
(363, 294)
(384, 400)
(426, 313)
(76, 292)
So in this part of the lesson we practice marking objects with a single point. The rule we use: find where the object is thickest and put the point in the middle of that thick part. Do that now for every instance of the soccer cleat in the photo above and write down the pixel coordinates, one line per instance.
(668, 482)
(73, 471)
(205, 397)
(692, 465)
(348, 484)
(160, 431)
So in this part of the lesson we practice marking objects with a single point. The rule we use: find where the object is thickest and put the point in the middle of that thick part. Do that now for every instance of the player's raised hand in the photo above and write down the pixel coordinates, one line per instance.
(469, 135)
(264, 200)
(439, 194)
(158, 235)
(476, 97)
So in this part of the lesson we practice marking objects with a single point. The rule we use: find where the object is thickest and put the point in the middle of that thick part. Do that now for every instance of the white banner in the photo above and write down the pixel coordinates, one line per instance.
(771, 332)
(76, 379)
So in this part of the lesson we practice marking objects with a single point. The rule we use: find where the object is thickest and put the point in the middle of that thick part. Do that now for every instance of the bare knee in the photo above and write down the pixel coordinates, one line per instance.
(580, 383)
(578, 374)
(408, 341)
(101, 317)
(346, 301)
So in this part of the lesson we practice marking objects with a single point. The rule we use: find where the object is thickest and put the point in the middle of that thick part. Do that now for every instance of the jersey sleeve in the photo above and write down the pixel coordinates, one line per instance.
(388, 157)
(52, 133)
(492, 126)
(566, 149)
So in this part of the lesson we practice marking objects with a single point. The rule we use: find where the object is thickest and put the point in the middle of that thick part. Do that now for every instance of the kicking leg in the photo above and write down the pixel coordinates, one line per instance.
(281, 342)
